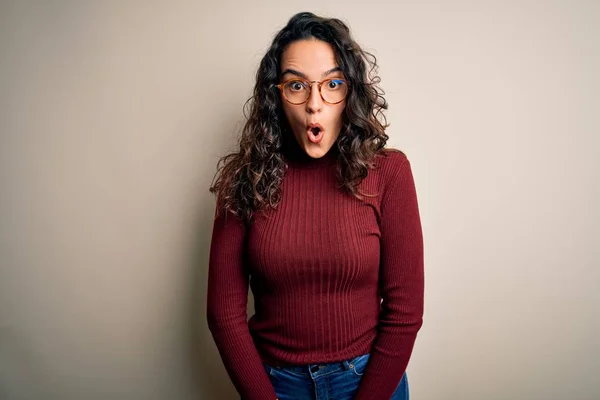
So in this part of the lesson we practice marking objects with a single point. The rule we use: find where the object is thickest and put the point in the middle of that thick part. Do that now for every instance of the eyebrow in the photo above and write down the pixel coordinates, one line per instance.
(293, 71)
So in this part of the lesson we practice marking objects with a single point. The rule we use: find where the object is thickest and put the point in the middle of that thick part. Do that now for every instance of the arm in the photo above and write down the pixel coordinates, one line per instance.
(401, 285)
(227, 298)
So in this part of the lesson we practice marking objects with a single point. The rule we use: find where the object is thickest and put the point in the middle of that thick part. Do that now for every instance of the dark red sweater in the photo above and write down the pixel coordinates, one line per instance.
(319, 266)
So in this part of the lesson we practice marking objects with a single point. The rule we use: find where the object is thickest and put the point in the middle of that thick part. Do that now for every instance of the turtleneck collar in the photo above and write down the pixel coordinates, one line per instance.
(296, 157)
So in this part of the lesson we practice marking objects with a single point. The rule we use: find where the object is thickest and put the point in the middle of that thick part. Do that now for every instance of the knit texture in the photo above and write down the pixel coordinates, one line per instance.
(332, 277)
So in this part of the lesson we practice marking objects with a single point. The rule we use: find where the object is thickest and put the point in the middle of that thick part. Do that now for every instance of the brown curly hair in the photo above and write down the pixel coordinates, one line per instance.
(250, 179)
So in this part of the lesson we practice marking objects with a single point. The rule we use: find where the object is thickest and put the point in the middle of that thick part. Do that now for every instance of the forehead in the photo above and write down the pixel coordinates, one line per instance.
(312, 57)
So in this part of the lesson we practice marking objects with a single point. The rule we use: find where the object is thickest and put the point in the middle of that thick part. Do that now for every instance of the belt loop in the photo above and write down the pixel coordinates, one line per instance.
(346, 365)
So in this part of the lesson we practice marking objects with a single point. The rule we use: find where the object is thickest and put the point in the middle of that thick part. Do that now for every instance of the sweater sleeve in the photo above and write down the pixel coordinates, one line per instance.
(401, 284)
(227, 298)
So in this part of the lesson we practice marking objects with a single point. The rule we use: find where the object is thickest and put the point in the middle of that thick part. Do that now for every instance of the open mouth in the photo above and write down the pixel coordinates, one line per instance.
(315, 133)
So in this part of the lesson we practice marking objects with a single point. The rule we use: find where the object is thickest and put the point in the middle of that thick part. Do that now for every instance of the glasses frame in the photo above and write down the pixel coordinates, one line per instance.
(310, 85)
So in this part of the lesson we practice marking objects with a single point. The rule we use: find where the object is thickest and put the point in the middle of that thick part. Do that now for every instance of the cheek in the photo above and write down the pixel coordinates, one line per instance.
(291, 113)
(338, 115)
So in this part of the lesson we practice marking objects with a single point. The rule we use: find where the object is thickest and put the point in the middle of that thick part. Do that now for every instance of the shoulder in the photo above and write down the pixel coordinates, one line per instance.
(394, 172)
(393, 154)
(390, 162)
(387, 168)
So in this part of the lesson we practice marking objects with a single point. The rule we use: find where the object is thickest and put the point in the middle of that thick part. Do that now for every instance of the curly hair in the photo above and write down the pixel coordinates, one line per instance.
(250, 179)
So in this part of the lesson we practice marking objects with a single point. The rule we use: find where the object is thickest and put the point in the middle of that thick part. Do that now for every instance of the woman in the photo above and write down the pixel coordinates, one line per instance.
(322, 221)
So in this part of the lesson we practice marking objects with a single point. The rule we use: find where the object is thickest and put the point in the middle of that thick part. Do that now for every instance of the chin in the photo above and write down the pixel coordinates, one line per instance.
(316, 151)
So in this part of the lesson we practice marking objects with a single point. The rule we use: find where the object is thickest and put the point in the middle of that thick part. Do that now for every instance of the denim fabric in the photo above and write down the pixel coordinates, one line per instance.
(330, 381)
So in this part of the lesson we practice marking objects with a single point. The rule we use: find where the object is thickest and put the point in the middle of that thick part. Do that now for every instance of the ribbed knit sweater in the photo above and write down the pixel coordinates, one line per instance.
(332, 277)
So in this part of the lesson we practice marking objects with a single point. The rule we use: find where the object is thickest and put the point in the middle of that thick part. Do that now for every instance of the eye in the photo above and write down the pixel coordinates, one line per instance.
(296, 86)
(334, 83)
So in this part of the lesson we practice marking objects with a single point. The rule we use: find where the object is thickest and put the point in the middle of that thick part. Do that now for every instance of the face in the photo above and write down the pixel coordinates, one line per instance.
(312, 60)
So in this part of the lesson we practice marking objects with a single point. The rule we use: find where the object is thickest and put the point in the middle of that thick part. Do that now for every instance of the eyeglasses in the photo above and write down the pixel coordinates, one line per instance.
(297, 91)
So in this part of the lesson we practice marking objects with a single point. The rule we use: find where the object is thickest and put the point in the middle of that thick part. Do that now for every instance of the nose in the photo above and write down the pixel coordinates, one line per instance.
(314, 103)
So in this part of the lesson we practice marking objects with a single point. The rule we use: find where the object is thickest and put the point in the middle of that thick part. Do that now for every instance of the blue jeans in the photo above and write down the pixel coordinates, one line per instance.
(330, 381)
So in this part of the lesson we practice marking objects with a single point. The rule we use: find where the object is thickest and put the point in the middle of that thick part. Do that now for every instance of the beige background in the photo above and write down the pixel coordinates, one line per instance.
(113, 116)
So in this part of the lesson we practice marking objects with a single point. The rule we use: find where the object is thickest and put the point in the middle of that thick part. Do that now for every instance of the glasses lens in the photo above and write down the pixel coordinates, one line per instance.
(296, 91)
(334, 90)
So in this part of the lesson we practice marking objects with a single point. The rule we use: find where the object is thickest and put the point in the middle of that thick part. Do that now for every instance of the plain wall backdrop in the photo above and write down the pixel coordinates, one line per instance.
(113, 115)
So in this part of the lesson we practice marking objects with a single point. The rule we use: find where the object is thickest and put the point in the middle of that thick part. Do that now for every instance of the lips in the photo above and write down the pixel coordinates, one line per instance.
(314, 132)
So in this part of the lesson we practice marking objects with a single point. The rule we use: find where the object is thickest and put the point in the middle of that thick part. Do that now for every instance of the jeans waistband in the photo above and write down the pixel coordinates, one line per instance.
(321, 368)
